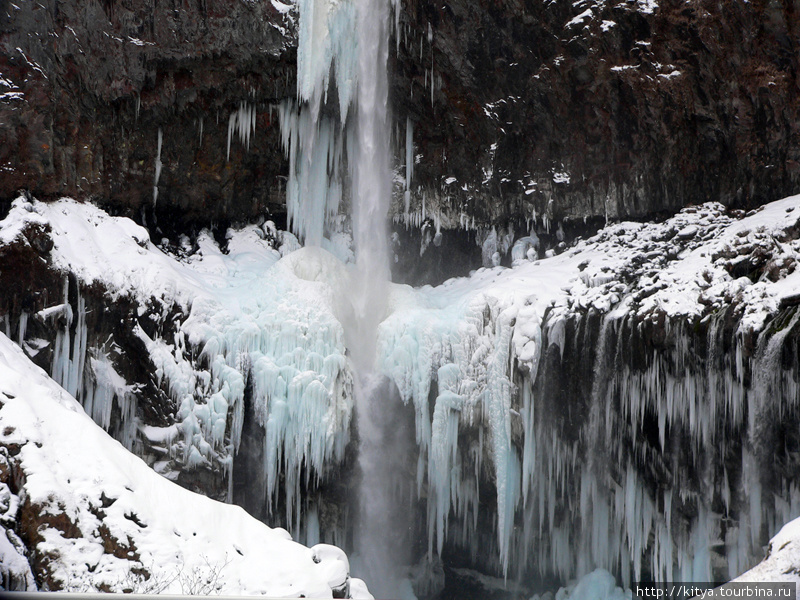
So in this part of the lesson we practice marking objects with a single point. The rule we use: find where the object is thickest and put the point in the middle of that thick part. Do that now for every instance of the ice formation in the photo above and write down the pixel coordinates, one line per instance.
(246, 318)
(314, 145)
(314, 142)
(158, 168)
(479, 343)
(182, 540)
(242, 122)
(658, 469)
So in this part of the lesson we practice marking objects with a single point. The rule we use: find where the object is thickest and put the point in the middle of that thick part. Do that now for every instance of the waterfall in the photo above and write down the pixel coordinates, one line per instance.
(379, 549)
(352, 40)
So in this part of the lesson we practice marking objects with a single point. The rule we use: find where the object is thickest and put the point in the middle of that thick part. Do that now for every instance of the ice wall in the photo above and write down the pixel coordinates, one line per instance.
(165, 350)
(658, 468)
(638, 415)
(313, 139)
(286, 350)
(320, 136)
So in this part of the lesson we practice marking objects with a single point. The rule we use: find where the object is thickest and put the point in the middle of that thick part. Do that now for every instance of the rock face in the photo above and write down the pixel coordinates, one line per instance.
(557, 110)
(599, 108)
(113, 99)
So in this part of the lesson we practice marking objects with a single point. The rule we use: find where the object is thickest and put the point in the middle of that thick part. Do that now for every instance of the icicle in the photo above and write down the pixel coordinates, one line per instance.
(158, 167)
(23, 326)
(315, 150)
(409, 155)
(243, 123)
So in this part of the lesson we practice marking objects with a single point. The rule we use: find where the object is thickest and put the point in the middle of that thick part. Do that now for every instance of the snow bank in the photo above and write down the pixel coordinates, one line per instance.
(130, 520)
(782, 558)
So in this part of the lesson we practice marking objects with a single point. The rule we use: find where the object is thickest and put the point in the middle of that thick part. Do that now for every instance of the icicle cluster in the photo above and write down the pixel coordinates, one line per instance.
(87, 373)
(660, 468)
(290, 353)
(242, 122)
(314, 146)
(468, 351)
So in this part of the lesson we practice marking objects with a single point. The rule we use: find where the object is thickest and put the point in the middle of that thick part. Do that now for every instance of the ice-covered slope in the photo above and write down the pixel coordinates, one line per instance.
(680, 325)
(782, 562)
(98, 518)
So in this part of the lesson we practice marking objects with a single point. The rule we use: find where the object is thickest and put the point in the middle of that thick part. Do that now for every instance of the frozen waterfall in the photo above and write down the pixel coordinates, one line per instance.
(351, 39)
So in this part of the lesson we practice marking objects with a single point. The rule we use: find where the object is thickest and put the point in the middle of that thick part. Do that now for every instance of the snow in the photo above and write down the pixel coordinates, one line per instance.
(561, 177)
(71, 466)
(586, 15)
(15, 572)
(647, 6)
(471, 333)
(782, 559)
(273, 317)
(281, 7)
(247, 314)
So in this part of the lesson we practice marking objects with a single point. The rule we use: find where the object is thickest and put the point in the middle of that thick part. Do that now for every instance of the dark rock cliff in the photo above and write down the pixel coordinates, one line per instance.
(521, 109)
(600, 108)
(91, 88)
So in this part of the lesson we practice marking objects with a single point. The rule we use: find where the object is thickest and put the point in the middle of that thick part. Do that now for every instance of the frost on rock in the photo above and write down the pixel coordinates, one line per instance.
(15, 572)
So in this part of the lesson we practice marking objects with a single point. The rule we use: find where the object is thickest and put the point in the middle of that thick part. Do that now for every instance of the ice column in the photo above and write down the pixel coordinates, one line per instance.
(314, 141)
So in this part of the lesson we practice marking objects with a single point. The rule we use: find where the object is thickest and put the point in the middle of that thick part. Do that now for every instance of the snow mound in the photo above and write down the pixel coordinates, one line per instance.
(108, 522)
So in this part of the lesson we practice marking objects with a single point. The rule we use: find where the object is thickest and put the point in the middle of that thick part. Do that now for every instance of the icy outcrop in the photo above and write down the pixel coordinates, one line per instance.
(626, 405)
(96, 518)
(214, 328)
(573, 380)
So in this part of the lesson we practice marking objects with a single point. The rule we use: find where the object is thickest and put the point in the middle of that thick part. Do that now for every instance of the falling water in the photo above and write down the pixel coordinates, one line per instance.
(351, 39)
(371, 175)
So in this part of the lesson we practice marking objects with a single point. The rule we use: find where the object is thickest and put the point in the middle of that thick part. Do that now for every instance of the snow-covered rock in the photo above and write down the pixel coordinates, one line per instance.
(663, 344)
(95, 517)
